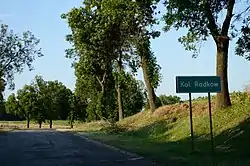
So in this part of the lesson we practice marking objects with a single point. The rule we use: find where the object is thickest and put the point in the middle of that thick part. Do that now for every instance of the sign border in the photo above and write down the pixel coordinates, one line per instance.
(191, 91)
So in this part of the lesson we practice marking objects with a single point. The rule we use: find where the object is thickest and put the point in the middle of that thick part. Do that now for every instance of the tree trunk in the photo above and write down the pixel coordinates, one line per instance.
(71, 120)
(40, 124)
(223, 98)
(99, 111)
(71, 125)
(28, 121)
(119, 93)
(100, 103)
(150, 89)
(50, 124)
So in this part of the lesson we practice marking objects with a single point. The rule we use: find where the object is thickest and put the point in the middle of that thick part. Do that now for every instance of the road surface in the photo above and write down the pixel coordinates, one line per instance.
(53, 148)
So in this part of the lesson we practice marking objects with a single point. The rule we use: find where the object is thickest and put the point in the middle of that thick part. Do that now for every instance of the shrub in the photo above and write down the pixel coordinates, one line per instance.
(113, 128)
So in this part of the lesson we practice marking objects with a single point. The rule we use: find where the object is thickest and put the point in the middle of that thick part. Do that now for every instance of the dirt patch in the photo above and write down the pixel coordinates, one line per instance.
(181, 110)
(7, 126)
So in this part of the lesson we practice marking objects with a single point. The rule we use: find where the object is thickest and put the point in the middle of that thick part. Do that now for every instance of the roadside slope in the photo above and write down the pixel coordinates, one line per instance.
(164, 135)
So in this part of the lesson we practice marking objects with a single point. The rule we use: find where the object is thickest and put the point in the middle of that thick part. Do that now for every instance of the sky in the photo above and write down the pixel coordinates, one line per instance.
(42, 18)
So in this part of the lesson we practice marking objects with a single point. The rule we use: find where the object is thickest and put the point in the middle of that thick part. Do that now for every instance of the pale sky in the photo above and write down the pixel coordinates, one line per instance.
(43, 19)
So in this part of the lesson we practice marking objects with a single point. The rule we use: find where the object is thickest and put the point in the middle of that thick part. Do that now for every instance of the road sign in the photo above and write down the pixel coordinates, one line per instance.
(198, 84)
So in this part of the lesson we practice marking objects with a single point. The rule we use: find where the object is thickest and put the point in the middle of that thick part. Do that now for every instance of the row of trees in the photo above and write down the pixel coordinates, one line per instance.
(111, 36)
(51, 100)
(43, 100)
(99, 87)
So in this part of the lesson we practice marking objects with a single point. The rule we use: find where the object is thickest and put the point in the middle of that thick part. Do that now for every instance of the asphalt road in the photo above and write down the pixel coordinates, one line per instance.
(53, 148)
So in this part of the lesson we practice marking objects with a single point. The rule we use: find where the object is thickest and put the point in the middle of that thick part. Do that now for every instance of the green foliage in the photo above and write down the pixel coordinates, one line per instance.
(243, 42)
(154, 71)
(16, 53)
(72, 109)
(12, 105)
(240, 97)
(201, 20)
(168, 100)
(158, 103)
(27, 101)
(2, 107)
(77, 109)
(133, 94)
(95, 46)
(165, 100)
(43, 100)
(103, 33)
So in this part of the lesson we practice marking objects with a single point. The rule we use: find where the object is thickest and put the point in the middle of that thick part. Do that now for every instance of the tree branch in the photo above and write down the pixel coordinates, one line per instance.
(103, 78)
(99, 80)
(238, 16)
(226, 23)
(7, 64)
(211, 21)
(11, 59)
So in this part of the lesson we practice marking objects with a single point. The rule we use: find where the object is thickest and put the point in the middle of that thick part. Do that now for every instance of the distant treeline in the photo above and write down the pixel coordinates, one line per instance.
(51, 100)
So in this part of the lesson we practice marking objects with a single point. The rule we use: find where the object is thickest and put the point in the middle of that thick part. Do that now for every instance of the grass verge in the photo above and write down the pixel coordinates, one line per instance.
(167, 141)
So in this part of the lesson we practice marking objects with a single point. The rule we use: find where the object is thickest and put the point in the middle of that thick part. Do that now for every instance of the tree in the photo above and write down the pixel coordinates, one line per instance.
(11, 105)
(54, 97)
(2, 104)
(168, 100)
(27, 102)
(80, 109)
(53, 108)
(121, 23)
(88, 91)
(39, 114)
(201, 20)
(94, 46)
(134, 94)
(104, 37)
(152, 77)
(16, 53)
(73, 109)
(41, 102)
(151, 70)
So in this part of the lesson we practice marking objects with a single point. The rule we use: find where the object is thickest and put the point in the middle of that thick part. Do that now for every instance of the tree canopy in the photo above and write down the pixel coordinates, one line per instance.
(201, 19)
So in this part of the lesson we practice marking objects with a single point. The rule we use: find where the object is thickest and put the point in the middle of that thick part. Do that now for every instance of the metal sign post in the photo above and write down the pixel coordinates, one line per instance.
(210, 121)
(199, 84)
(191, 120)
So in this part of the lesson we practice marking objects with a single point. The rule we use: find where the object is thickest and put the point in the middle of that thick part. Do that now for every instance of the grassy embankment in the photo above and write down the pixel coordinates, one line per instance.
(164, 135)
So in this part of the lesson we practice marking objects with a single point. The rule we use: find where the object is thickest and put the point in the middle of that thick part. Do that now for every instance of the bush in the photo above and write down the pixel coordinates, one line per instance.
(113, 128)
(239, 97)
(169, 100)
(247, 89)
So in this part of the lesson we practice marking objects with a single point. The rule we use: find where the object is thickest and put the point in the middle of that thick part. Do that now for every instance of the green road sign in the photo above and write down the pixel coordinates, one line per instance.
(198, 84)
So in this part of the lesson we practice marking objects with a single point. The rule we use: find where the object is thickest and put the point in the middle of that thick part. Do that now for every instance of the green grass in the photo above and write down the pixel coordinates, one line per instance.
(157, 137)
(23, 124)
(57, 124)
